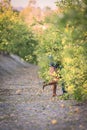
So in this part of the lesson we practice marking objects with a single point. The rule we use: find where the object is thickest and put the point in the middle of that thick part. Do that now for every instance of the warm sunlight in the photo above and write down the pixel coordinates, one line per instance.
(39, 3)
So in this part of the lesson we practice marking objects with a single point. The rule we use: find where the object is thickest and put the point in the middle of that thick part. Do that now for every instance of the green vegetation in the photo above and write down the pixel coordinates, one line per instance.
(64, 37)
(15, 36)
(66, 41)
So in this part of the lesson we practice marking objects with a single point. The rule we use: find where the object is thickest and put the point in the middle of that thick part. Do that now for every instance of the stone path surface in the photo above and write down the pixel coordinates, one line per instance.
(25, 106)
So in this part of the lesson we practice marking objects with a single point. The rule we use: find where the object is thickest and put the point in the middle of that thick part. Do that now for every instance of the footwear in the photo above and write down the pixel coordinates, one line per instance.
(54, 95)
(44, 84)
(43, 87)
(64, 91)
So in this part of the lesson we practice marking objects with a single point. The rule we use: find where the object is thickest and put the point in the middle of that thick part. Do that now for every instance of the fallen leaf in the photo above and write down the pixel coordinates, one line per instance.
(62, 105)
(54, 121)
(18, 92)
(81, 126)
(70, 107)
(77, 110)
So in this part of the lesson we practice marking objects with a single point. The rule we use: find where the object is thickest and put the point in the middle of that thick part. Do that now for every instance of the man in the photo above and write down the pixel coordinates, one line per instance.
(53, 74)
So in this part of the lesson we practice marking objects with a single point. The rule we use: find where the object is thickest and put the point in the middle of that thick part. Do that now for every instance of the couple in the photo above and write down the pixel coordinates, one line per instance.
(53, 79)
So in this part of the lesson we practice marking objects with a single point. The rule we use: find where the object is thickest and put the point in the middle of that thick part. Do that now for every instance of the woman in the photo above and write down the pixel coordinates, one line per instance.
(53, 78)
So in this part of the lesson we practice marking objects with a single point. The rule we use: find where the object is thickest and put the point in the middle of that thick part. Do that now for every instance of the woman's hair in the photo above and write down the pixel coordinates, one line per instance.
(55, 65)
(52, 64)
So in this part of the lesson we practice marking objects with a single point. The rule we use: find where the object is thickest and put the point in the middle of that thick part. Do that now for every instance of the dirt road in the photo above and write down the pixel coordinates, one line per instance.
(24, 106)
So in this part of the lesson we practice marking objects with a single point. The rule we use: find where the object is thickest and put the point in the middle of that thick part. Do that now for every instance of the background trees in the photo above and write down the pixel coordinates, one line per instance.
(15, 36)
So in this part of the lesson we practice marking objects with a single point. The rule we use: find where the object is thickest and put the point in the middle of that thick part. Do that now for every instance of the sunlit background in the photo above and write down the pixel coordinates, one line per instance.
(39, 3)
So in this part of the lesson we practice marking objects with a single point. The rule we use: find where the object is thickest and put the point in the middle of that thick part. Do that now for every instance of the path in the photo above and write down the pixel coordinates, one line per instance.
(24, 106)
